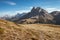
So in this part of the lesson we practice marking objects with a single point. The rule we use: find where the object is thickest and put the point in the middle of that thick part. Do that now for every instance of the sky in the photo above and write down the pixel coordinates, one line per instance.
(12, 7)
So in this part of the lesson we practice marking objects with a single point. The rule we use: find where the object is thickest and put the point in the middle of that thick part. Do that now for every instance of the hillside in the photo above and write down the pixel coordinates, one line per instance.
(13, 31)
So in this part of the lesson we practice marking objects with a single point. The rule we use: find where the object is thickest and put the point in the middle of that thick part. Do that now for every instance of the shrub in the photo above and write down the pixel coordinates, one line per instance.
(1, 30)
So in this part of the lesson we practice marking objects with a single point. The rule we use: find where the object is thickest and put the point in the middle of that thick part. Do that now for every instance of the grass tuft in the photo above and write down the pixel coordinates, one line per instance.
(1, 30)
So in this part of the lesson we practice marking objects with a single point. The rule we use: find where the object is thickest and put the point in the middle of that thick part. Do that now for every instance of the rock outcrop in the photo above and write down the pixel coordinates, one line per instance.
(37, 15)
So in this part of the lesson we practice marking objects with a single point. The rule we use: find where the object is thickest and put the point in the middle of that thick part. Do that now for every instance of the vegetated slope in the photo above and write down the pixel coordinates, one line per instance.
(12, 31)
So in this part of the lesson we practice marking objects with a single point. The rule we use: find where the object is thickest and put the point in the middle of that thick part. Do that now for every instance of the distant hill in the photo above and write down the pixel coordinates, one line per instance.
(12, 18)
(17, 17)
(56, 15)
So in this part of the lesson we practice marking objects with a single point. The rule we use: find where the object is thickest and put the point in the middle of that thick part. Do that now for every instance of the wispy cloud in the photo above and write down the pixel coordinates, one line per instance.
(10, 2)
(52, 9)
(24, 11)
(10, 13)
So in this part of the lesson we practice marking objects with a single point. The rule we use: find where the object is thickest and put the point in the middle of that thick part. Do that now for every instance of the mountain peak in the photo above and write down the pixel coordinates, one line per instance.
(38, 10)
(35, 9)
(37, 15)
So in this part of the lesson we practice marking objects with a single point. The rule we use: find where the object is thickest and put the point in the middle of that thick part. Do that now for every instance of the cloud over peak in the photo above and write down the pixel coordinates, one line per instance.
(52, 9)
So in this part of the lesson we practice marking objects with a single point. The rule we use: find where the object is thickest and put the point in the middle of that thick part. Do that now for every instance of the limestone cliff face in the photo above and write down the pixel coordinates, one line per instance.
(37, 15)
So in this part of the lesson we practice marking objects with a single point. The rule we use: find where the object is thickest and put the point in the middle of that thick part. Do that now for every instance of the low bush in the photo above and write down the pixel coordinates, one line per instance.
(1, 30)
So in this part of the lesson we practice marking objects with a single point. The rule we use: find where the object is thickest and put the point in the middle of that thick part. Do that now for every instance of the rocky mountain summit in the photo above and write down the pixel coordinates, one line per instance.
(37, 15)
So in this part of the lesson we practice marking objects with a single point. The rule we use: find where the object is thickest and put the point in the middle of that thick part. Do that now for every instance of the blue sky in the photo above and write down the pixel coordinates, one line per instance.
(11, 7)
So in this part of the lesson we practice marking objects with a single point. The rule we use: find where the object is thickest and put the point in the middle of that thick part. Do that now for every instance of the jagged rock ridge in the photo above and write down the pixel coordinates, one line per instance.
(37, 15)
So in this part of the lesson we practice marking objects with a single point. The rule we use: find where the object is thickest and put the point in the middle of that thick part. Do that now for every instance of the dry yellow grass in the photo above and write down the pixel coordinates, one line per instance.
(14, 31)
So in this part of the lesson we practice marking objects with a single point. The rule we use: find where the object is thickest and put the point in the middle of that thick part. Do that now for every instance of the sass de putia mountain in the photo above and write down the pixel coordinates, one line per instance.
(36, 15)
(37, 24)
